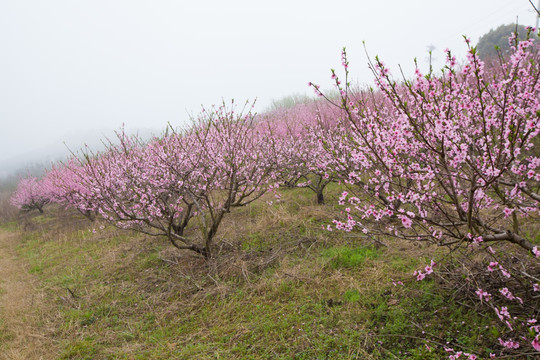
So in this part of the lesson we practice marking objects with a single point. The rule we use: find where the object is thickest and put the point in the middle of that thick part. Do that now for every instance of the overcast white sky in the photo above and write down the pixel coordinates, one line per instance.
(67, 67)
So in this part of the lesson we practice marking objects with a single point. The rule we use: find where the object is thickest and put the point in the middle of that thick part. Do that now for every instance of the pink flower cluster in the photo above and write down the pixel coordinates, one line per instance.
(32, 194)
(427, 270)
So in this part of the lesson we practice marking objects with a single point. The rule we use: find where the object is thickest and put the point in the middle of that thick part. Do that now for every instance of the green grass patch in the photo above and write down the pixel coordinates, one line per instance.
(87, 348)
(403, 264)
(347, 257)
(9, 226)
(352, 296)
(254, 241)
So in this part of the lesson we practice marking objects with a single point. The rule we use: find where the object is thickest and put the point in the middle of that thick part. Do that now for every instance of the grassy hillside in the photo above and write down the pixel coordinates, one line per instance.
(279, 287)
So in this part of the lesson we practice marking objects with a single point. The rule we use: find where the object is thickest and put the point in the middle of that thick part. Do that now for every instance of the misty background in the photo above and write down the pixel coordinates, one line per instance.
(72, 72)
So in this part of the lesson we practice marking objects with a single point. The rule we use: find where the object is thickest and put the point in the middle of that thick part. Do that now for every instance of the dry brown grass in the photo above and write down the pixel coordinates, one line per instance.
(27, 328)
(8, 212)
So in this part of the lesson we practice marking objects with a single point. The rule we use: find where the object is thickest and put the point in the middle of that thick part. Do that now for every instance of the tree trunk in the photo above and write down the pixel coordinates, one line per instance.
(320, 197)
(205, 252)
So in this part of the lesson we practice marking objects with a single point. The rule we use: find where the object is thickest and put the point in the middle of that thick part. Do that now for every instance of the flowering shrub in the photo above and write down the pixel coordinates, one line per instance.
(453, 160)
(224, 160)
(446, 159)
(31, 194)
(67, 188)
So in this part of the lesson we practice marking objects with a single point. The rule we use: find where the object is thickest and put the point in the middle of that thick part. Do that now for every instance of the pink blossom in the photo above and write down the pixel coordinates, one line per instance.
(406, 221)
(504, 272)
(492, 266)
(483, 295)
(510, 344)
(536, 343)
(508, 212)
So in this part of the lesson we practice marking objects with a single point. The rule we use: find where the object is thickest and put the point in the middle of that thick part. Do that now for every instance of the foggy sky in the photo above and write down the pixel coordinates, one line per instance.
(71, 67)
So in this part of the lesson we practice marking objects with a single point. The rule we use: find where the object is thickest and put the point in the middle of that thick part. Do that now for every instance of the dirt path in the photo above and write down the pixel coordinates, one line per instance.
(23, 325)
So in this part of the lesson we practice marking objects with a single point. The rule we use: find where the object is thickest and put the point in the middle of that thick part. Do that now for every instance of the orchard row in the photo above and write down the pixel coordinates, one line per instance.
(452, 158)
